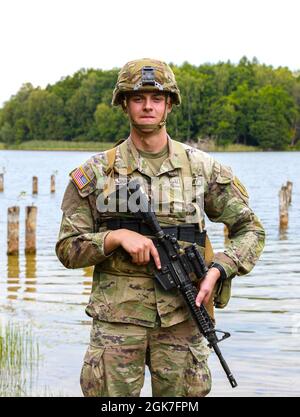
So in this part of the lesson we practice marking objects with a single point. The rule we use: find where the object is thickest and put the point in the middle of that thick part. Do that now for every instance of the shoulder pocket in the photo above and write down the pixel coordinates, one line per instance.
(225, 175)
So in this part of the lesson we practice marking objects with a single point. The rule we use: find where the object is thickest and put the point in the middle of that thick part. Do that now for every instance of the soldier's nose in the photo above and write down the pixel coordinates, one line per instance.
(148, 104)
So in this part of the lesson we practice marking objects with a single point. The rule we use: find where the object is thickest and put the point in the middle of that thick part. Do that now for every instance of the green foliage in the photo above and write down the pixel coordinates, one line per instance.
(110, 123)
(45, 115)
(7, 134)
(273, 121)
(223, 119)
(244, 104)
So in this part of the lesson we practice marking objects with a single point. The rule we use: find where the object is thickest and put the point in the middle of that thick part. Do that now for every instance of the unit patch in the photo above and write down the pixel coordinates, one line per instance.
(240, 187)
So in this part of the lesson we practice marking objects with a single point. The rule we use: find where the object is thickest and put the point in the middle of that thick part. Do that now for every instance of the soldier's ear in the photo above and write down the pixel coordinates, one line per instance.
(124, 105)
(169, 104)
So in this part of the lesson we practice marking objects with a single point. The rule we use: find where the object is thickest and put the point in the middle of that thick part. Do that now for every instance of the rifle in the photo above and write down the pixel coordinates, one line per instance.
(177, 265)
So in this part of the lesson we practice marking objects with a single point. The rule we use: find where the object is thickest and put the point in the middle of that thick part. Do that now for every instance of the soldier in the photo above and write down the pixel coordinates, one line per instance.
(136, 322)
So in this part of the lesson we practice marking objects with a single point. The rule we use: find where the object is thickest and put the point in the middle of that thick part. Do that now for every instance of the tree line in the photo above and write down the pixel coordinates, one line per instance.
(246, 103)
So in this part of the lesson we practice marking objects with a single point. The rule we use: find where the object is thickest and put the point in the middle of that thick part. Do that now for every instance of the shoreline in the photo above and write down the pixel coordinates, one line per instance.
(102, 146)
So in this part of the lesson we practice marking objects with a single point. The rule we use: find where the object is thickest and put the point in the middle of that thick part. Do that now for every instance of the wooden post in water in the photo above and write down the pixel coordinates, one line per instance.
(13, 277)
(34, 185)
(289, 186)
(285, 199)
(52, 185)
(13, 230)
(30, 229)
(1, 183)
(283, 208)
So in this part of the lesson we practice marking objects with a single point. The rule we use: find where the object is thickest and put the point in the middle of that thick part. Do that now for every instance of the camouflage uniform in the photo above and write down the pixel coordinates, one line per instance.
(134, 319)
(176, 357)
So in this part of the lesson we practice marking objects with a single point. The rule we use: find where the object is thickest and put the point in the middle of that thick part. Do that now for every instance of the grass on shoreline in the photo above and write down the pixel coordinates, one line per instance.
(58, 145)
(233, 148)
(19, 357)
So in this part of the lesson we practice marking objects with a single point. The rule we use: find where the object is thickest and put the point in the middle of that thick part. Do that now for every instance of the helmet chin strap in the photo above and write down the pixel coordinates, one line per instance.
(149, 129)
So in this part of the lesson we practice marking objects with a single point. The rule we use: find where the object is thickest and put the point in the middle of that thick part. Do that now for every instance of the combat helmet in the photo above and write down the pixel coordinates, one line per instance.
(145, 75)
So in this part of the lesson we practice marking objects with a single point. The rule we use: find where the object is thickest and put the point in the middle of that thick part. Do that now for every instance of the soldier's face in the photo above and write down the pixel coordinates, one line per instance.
(148, 108)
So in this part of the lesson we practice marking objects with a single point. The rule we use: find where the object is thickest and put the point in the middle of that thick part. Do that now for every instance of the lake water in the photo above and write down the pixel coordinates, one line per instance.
(263, 315)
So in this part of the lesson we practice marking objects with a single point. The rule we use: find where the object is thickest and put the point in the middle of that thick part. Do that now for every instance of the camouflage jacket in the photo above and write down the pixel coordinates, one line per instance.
(123, 291)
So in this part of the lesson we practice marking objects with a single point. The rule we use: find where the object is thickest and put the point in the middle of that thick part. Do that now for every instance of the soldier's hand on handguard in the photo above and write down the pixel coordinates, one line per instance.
(140, 247)
(206, 286)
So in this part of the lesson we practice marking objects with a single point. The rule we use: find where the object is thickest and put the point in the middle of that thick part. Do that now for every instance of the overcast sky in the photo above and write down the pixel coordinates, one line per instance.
(44, 40)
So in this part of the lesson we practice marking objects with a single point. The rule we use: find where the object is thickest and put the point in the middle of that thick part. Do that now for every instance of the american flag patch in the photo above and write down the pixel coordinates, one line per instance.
(80, 177)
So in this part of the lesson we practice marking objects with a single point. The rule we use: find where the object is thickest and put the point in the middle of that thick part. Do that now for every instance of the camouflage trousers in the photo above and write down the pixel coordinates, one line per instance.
(114, 364)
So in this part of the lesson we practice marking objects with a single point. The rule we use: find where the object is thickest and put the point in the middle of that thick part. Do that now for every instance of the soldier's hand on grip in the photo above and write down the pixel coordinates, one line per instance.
(140, 247)
(206, 286)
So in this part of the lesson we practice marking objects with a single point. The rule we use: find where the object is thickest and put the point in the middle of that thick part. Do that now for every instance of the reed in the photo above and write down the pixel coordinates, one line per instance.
(19, 357)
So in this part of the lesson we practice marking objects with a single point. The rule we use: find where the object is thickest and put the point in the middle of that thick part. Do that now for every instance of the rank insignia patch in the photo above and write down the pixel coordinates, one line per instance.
(80, 177)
